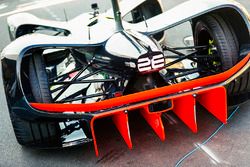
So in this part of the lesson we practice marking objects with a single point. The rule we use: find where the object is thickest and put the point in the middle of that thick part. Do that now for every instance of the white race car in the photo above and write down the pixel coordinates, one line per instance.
(59, 77)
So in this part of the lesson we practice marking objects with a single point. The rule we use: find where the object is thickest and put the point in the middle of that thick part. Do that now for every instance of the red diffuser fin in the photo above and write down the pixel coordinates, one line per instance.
(155, 122)
(184, 108)
(121, 122)
(215, 101)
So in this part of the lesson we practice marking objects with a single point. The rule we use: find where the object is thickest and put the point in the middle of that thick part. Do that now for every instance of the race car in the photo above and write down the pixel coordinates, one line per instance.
(59, 77)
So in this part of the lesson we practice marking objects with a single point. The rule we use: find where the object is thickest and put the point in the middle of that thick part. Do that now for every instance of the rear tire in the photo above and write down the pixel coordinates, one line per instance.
(213, 27)
(38, 79)
(239, 90)
(228, 50)
(35, 133)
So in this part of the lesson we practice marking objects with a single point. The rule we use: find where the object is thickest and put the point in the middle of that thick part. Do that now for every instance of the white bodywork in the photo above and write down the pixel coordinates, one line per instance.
(80, 31)
(81, 34)
(184, 12)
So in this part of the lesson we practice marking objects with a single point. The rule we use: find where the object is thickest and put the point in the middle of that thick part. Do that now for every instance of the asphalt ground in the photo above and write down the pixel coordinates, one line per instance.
(228, 147)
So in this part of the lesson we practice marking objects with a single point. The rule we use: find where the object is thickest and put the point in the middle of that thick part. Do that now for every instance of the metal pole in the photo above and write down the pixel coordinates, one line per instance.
(117, 15)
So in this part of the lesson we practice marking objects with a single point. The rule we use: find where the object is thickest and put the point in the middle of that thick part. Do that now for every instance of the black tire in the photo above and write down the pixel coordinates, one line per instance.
(38, 79)
(214, 27)
(31, 133)
(239, 90)
(228, 50)
(35, 134)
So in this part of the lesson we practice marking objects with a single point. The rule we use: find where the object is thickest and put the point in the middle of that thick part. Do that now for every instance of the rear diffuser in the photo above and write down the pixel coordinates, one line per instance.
(209, 92)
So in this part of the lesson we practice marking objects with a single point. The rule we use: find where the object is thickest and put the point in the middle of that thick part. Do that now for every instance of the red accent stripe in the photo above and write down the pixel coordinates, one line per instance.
(215, 101)
(121, 122)
(185, 109)
(155, 122)
(141, 96)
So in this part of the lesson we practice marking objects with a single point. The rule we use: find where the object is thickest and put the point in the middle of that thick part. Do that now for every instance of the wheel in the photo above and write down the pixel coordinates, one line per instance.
(39, 80)
(223, 47)
(30, 133)
(239, 89)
